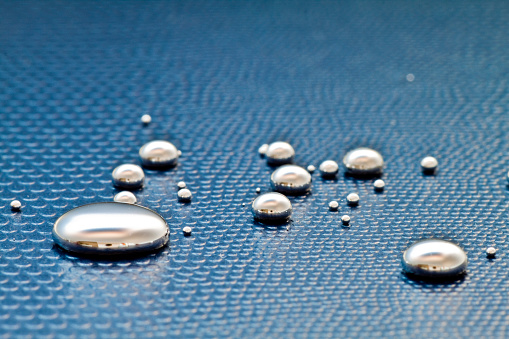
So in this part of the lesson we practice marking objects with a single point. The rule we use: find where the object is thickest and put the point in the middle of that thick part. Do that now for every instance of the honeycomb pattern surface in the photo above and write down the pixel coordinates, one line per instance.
(219, 79)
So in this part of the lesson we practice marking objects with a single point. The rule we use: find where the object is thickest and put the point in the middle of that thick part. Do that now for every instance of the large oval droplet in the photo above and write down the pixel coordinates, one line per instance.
(434, 258)
(110, 228)
(291, 179)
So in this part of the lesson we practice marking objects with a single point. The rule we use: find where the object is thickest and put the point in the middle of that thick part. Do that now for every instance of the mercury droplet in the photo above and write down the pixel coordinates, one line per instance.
(263, 149)
(159, 153)
(272, 206)
(187, 231)
(379, 185)
(410, 77)
(258, 190)
(181, 185)
(333, 205)
(353, 199)
(291, 179)
(125, 197)
(184, 195)
(280, 153)
(311, 168)
(128, 176)
(363, 161)
(146, 119)
(491, 251)
(15, 205)
(434, 258)
(429, 165)
(345, 219)
(329, 169)
(110, 228)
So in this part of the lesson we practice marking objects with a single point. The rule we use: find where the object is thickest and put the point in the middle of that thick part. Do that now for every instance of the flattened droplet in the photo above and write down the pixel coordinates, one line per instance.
(291, 179)
(434, 258)
(363, 161)
(271, 206)
(280, 153)
(110, 228)
(159, 153)
(128, 176)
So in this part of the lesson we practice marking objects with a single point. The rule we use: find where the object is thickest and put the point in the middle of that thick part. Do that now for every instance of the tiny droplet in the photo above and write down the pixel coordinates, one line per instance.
(263, 149)
(410, 77)
(184, 195)
(311, 168)
(491, 251)
(379, 185)
(187, 231)
(353, 199)
(15, 205)
(345, 219)
(333, 205)
(258, 190)
(329, 169)
(181, 185)
(146, 119)
(429, 164)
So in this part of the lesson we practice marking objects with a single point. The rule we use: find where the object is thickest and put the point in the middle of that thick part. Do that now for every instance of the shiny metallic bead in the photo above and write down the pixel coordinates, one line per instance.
(434, 258)
(410, 77)
(146, 119)
(311, 168)
(291, 179)
(258, 190)
(429, 164)
(379, 185)
(15, 205)
(263, 149)
(272, 206)
(181, 185)
(125, 197)
(345, 219)
(187, 231)
(363, 161)
(329, 169)
(280, 153)
(128, 176)
(159, 153)
(333, 205)
(110, 228)
(491, 251)
(184, 195)
(179, 152)
(353, 199)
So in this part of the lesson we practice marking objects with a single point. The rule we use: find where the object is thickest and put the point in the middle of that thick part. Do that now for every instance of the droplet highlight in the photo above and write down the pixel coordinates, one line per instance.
(159, 154)
(272, 207)
(128, 176)
(291, 179)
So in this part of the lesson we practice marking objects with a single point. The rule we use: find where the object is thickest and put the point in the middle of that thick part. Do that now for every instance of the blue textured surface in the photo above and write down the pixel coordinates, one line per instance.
(220, 79)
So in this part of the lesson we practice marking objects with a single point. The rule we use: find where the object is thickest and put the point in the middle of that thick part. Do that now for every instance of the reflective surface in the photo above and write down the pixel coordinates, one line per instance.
(345, 219)
(429, 164)
(379, 184)
(184, 195)
(15, 205)
(272, 206)
(434, 258)
(110, 228)
(128, 176)
(125, 197)
(363, 161)
(333, 205)
(352, 198)
(279, 153)
(159, 153)
(329, 169)
(291, 179)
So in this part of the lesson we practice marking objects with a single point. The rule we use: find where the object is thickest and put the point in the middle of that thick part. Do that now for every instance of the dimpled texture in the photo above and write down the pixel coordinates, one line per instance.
(220, 79)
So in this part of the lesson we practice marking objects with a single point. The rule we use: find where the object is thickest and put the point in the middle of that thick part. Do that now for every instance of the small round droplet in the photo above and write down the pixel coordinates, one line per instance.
(280, 153)
(128, 176)
(311, 168)
(15, 205)
(187, 231)
(146, 119)
(379, 185)
(184, 195)
(181, 185)
(159, 153)
(291, 179)
(410, 77)
(490, 252)
(258, 190)
(179, 152)
(345, 219)
(333, 205)
(353, 199)
(263, 149)
(110, 228)
(363, 161)
(329, 169)
(429, 164)
(125, 197)
(434, 258)
(272, 206)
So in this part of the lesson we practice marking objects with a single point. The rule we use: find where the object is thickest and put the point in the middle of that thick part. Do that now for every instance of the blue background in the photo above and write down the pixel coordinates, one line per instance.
(220, 79)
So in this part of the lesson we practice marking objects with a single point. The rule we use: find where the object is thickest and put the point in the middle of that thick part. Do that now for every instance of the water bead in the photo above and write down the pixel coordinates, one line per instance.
(280, 153)
(363, 161)
(271, 206)
(291, 179)
(125, 197)
(329, 169)
(159, 153)
(128, 176)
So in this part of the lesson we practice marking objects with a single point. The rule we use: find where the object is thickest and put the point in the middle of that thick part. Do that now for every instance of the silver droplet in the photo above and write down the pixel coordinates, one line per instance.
(184, 195)
(125, 197)
(15, 205)
(333, 205)
(363, 161)
(379, 184)
(491, 251)
(311, 168)
(434, 258)
(353, 199)
(280, 153)
(263, 149)
(429, 164)
(128, 176)
(410, 77)
(187, 231)
(291, 179)
(146, 119)
(179, 152)
(258, 190)
(345, 219)
(272, 206)
(110, 228)
(329, 169)
(181, 185)
(159, 153)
